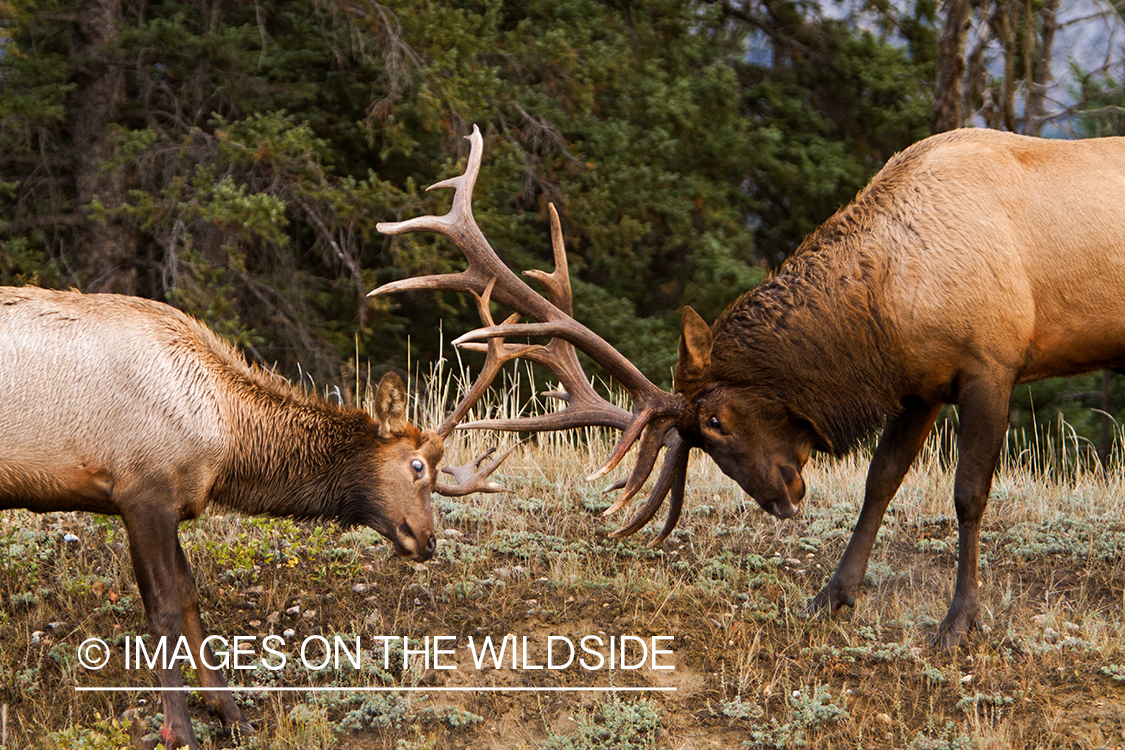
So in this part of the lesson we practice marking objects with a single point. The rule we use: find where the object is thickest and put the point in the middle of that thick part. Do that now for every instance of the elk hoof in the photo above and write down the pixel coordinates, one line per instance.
(948, 640)
(951, 632)
(828, 601)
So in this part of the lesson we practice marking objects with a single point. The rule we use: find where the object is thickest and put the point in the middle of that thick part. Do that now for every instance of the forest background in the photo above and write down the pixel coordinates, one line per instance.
(232, 158)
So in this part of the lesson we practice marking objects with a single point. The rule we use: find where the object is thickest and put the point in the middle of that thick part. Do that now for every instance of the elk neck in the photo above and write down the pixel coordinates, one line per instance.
(817, 336)
(291, 454)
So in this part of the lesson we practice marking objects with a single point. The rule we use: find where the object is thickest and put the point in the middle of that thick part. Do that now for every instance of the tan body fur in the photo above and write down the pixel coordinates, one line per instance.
(1023, 263)
(125, 406)
(974, 261)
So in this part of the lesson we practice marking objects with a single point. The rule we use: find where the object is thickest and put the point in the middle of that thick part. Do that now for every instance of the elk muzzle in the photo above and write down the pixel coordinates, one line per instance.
(788, 492)
(414, 544)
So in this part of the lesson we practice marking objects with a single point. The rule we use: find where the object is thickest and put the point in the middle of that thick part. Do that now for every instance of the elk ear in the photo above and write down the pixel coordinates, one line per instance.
(390, 406)
(695, 348)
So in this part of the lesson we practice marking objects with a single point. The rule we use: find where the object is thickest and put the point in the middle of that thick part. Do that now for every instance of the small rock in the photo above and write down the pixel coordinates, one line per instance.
(294, 610)
(884, 719)
(453, 533)
(37, 636)
(69, 538)
(966, 679)
(360, 588)
(289, 632)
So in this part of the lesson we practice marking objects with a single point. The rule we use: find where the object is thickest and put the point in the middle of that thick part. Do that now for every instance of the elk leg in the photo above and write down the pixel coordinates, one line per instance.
(218, 701)
(984, 422)
(898, 446)
(152, 545)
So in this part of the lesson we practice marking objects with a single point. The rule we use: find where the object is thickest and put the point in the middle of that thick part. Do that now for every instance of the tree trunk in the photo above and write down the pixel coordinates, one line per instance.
(1038, 80)
(950, 74)
(103, 255)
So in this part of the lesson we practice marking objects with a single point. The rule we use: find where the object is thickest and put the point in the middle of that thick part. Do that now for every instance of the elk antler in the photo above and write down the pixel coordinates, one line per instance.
(471, 477)
(487, 278)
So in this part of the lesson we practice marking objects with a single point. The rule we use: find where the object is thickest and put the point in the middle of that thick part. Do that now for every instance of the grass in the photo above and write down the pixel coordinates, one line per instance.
(730, 585)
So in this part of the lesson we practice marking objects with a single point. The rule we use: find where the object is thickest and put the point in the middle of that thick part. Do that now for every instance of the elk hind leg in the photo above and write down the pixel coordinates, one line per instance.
(984, 423)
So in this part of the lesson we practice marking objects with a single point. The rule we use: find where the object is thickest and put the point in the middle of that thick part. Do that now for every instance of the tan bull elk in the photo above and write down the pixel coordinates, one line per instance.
(124, 406)
(972, 262)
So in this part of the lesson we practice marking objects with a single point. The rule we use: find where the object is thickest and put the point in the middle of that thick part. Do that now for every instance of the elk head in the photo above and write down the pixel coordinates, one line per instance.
(752, 437)
(403, 465)
(659, 419)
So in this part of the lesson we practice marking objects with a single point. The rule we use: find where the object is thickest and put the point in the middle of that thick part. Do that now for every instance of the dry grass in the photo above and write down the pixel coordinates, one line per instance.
(730, 585)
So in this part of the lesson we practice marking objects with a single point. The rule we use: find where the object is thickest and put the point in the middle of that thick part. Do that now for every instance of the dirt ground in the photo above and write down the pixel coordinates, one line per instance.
(724, 598)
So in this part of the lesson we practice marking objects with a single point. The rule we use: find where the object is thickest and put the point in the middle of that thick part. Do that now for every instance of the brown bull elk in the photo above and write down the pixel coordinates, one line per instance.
(124, 406)
(973, 261)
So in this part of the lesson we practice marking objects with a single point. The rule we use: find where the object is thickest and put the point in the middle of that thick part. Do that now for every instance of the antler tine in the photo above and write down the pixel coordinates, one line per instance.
(673, 476)
(558, 281)
(458, 225)
(472, 478)
(584, 406)
(498, 354)
(651, 444)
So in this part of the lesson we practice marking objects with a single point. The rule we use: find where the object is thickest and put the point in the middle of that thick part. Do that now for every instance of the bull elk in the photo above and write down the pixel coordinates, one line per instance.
(973, 261)
(128, 407)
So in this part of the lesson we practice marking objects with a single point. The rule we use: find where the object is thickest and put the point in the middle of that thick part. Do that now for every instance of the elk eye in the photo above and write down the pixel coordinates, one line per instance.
(715, 424)
(417, 466)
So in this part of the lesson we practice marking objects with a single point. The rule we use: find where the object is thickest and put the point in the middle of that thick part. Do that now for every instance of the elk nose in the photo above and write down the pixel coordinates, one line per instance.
(425, 551)
(414, 546)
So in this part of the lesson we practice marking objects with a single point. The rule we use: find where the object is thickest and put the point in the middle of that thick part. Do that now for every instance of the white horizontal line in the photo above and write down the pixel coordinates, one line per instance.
(443, 689)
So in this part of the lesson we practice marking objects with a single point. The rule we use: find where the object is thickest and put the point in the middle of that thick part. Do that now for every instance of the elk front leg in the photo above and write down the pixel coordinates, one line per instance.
(898, 446)
(984, 422)
(152, 545)
(218, 702)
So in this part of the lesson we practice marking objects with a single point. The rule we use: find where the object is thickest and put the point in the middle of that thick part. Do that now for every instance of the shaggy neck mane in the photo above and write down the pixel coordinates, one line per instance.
(814, 337)
(290, 451)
